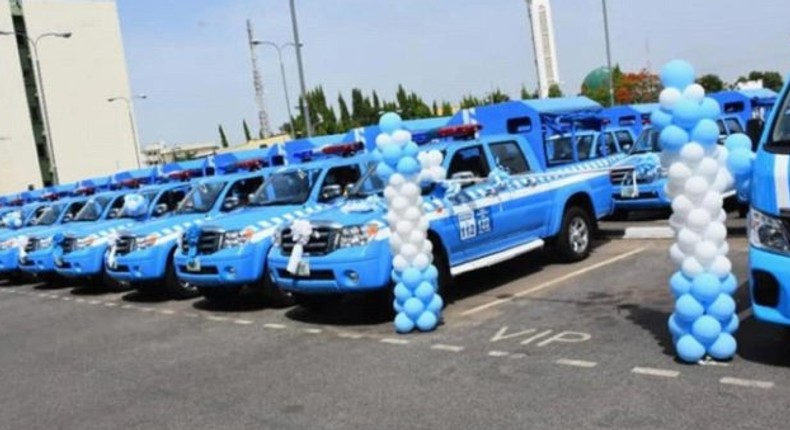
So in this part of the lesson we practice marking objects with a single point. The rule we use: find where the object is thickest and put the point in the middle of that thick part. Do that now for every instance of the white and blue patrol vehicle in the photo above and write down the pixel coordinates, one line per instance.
(487, 220)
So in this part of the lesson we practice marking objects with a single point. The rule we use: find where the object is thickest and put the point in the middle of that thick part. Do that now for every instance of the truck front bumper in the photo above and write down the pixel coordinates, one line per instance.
(769, 281)
(83, 262)
(651, 196)
(9, 260)
(141, 265)
(39, 262)
(348, 270)
(225, 268)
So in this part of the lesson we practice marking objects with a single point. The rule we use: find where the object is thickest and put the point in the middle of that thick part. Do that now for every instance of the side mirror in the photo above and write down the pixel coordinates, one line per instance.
(348, 189)
(250, 197)
(160, 209)
(230, 203)
(330, 192)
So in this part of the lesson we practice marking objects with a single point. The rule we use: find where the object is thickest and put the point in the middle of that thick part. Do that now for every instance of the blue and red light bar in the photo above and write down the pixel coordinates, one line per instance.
(459, 132)
(346, 149)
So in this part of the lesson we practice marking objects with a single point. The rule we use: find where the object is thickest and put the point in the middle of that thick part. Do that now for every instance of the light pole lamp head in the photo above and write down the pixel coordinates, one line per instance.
(64, 35)
(6, 33)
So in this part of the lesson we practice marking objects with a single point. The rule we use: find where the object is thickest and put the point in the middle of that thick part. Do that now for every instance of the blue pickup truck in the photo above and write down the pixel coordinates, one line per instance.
(13, 239)
(484, 222)
(143, 254)
(229, 252)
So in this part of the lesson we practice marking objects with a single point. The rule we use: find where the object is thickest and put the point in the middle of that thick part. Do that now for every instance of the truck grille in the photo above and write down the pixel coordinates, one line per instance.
(208, 243)
(321, 242)
(619, 175)
(68, 244)
(124, 245)
(31, 245)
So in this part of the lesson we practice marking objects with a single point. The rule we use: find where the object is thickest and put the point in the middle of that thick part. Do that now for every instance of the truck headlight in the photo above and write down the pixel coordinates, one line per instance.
(236, 238)
(277, 238)
(45, 242)
(768, 232)
(85, 242)
(356, 235)
(146, 242)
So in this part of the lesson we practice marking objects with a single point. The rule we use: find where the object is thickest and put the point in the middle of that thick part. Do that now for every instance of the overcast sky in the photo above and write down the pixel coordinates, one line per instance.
(191, 57)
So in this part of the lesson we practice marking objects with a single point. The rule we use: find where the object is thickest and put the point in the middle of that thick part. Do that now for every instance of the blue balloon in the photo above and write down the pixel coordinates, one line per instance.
(709, 108)
(686, 114)
(706, 132)
(729, 284)
(679, 284)
(677, 74)
(688, 309)
(660, 119)
(408, 166)
(402, 293)
(403, 324)
(705, 288)
(430, 274)
(706, 329)
(672, 138)
(411, 149)
(384, 171)
(427, 321)
(739, 161)
(678, 328)
(391, 154)
(732, 325)
(397, 306)
(723, 308)
(411, 278)
(390, 122)
(413, 308)
(376, 155)
(724, 347)
(396, 276)
(738, 140)
(689, 349)
(424, 292)
(436, 305)
(744, 187)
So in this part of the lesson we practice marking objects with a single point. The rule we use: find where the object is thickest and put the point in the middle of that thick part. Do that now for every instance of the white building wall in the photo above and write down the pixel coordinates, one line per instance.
(545, 48)
(18, 158)
(91, 136)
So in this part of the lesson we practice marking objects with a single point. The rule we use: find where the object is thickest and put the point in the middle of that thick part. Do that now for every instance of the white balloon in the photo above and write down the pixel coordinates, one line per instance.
(668, 158)
(438, 173)
(696, 187)
(677, 221)
(716, 232)
(688, 240)
(424, 158)
(722, 218)
(408, 251)
(404, 227)
(399, 204)
(682, 205)
(699, 219)
(399, 263)
(679, 173)
(410, 190)
(722, 153)
(417, 237)
(676, 254)
(708, 168)
(401, 137)
(706, 252)
(694, 92)
(712, 202)
(390, 192)
(383, 140)
(671, 189)
(423, 224)
(392, 218)
(692, 153)
(721, 266)
(724, 249)
(436, 157)
(691, 267)
(668, 98)
(412, 213)
(421, 261)
(395, 243)
(397, 180)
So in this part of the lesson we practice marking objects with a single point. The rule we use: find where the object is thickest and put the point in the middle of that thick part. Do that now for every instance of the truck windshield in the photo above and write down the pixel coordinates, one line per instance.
(369, 184)
(201, 198)
(560, 149)
(93, 209)
(286, 188)
(647, 142)
(33, 218)
(50, 215)
(780, 134)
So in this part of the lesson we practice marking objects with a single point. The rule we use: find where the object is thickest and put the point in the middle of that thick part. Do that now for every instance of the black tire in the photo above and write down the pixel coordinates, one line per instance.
(743, 210)
(442, 266)
(315, 302)
(273, 295)
(619, 215)
(176, 288)
(574, 241)
(219, 294)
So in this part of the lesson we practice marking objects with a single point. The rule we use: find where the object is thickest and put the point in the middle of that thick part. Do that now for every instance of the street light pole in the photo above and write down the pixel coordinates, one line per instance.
(298, 45)
(608, 54)
(279, 49)
(132, 122)
(33, 43)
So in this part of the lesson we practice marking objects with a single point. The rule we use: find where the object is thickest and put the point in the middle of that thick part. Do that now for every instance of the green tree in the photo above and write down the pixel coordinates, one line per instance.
(771, 80)
(247, 134)
(345, 115)
(526, 94)
(711, 82)
(435, 108)
(376, 104)
(470, 101)
(361, 108)
(447, 109)
(223, 139)
(496, 96)
(555, 91)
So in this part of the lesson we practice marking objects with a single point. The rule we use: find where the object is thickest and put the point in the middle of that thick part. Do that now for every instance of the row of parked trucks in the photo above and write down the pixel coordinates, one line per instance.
(535, 173)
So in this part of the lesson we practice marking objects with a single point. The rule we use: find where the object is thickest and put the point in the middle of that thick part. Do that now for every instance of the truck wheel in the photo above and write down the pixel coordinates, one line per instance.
(442, 266)
(275, 296)
(573, 242)
(219, 294)
(176, 288)
(315, 302)
(743, 210)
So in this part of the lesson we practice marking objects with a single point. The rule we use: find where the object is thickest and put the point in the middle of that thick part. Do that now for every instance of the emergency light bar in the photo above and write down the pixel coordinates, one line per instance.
(464, 131)
(341, 149)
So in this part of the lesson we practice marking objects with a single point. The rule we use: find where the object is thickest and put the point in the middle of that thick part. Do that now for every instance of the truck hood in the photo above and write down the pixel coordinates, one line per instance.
(99, 228)
(646, 159)
(163, 226)
(264, 217)
(353, 212)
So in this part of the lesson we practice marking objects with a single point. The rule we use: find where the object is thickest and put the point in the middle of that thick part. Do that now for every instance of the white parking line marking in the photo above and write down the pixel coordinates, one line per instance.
(190, 314)
(127, 307)
(111, 304)
(498, 353)
(576, 363)
(394, 341)
(242, 322)
(553, 282)
(79, 300)
(142, 309)
(709, 362)
(450, 348)
(68, 299)
(313, 330)
(655, 372)
(217, 318)
(660, 232)
(746, 313)
(350, 335)
(274, 326)
(42, 295)
(746, 382)
(167, 312)
(93, 302)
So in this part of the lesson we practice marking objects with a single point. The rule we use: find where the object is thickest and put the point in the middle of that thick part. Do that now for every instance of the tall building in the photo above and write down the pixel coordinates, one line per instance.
(543, 44)
(89, 136)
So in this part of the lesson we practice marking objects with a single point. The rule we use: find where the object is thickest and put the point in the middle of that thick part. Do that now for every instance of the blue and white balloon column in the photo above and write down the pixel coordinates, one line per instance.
(704, 319)
(404, 170)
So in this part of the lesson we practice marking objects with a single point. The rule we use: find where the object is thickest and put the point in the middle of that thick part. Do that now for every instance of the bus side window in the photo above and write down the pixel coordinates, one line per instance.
(625, 140)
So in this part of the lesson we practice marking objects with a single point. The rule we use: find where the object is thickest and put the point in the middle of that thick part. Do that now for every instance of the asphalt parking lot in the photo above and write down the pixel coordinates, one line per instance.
(525, 344)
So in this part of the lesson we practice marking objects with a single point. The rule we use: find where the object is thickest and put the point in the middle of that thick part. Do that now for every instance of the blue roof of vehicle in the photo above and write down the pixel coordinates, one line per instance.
(562, 104)
(760, 93)
(645, 108)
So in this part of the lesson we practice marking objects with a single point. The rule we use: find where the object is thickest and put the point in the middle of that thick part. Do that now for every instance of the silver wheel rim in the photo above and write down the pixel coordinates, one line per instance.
(579, 235)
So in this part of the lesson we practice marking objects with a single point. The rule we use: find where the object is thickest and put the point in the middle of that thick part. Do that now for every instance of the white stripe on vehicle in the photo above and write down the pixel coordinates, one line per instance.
(781, 181)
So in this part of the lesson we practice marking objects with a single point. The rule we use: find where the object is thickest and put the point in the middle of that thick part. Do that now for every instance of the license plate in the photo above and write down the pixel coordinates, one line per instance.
(193, 266)
(629, 192)
(58, 261)
(303, 269)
